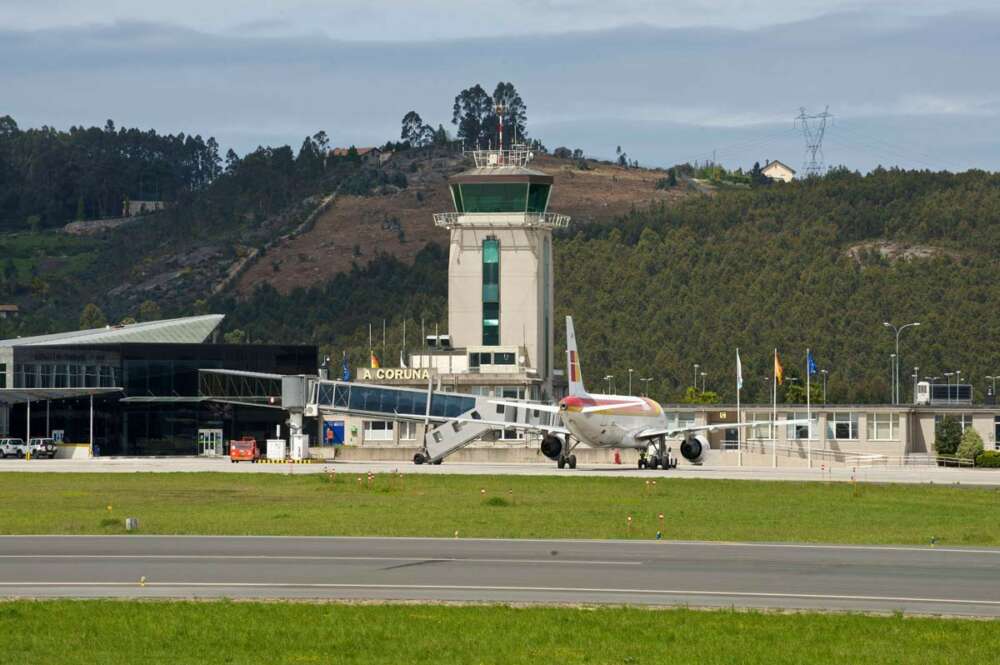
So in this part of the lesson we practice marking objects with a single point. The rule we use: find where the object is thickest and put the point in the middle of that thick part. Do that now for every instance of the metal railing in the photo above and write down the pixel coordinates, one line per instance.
(551, 220)
(857, 459)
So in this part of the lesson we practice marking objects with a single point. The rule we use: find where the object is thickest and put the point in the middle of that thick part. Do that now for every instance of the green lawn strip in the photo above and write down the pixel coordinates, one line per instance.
(110, 632)
(511, 507)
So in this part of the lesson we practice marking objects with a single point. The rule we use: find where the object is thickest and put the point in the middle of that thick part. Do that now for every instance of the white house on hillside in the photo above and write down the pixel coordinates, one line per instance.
(777, 171)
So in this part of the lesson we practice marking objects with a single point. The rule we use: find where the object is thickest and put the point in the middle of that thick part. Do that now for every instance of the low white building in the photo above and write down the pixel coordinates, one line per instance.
(778, 171)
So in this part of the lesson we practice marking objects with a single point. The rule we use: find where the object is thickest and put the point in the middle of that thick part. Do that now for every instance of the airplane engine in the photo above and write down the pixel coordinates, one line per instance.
(552, 446)
(695, 448)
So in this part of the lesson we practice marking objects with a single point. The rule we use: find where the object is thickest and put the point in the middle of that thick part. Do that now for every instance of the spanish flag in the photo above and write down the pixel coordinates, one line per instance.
(779, 371)
(375, 363)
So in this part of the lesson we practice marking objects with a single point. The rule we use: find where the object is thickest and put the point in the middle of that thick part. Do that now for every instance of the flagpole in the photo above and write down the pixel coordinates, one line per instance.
(774, 412)
(809, 430)
(739, 418)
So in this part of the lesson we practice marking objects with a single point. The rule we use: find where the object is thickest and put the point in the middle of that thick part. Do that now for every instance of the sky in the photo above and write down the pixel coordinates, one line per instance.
(908, 83)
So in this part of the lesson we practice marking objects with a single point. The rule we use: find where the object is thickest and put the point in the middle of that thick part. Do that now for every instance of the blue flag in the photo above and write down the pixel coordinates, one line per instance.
(811, 363)
(346, 375)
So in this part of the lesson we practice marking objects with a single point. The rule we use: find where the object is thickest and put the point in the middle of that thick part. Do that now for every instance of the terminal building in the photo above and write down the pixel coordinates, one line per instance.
(134, 389)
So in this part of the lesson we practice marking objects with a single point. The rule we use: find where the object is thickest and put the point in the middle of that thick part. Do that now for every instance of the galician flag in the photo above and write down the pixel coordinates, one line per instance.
(779, 371)
(739, 371)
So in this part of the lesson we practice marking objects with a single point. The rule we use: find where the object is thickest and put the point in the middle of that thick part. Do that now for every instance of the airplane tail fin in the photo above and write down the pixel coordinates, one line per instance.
(573, 370)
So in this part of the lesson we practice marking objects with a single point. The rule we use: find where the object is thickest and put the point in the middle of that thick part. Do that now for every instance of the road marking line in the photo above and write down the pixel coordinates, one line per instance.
(282, 557)
(660, 544)
(529, 589)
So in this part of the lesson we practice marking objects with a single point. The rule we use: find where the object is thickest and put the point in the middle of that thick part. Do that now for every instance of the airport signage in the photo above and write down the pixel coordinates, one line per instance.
(393, 374)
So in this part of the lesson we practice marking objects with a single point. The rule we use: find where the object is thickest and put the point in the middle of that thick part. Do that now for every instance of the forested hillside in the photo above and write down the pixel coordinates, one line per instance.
(817, 264)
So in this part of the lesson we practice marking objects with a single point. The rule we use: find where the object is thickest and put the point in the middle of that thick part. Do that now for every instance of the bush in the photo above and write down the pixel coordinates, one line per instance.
(947, 436)
(989, 459)
(971, 444)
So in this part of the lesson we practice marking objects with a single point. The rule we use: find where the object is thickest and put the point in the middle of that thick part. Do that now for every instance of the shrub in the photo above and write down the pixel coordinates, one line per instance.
(971, 444)
(989, 459)
(947, 436)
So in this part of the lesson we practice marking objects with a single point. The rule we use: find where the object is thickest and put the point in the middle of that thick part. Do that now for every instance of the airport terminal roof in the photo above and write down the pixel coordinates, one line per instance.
(187, 330)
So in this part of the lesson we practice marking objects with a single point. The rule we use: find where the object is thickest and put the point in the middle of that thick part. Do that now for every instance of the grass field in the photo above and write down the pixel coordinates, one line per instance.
(514, 507)
(113, 632)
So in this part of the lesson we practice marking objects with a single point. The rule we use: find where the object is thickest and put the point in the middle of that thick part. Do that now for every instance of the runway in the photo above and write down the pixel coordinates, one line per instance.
(950, 581)
(913, 474)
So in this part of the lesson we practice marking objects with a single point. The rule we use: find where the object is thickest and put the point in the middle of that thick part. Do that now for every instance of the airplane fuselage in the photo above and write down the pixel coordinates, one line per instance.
(611, 427)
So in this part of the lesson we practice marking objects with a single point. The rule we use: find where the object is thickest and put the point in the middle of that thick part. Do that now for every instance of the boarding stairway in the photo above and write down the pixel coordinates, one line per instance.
(453, 420)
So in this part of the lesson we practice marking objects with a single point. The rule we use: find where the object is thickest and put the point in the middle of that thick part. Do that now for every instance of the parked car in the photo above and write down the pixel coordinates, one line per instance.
(42, 447)
(13, 448)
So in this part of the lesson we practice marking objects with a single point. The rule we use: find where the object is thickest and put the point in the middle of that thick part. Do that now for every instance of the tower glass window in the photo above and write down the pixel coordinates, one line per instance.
(494, 197)
(538, 198)
(491, 292)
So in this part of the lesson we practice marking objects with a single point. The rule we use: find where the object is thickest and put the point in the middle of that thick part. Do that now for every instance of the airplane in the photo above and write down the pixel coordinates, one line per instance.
(614, 421)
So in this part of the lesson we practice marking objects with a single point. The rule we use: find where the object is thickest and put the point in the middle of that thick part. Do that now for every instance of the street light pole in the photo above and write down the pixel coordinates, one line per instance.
(892, 378)
(915, 377)
(947, 377)
(646, 380)
(895, 396)
(630, 370)
(824, 373)
(695, 384)
(608, 377)
(703, 375)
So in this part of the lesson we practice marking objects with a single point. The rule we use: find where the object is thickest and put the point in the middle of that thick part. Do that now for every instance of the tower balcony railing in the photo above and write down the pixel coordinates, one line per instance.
(551, 220)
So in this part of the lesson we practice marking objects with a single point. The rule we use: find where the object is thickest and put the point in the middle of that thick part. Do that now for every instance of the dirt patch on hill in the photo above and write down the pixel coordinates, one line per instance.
(355, 229)
(895, 251)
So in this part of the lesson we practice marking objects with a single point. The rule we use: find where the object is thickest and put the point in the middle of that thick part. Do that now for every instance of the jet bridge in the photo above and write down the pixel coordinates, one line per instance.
(450, 418)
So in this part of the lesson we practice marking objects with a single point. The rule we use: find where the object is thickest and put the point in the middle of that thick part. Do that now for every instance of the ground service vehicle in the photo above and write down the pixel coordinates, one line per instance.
(12, 448)
(42, 447)
(244, 450)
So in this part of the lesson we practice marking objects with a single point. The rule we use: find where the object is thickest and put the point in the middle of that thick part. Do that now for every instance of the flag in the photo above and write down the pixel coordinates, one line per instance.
(739, 371)
(811, 363)
(345, 369)
(375, 363)
(402, 359)
(779, 371)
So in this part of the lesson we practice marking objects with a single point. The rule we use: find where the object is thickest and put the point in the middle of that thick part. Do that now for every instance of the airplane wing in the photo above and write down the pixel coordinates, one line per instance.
(547, 408)
(673, 431)
(501, 424)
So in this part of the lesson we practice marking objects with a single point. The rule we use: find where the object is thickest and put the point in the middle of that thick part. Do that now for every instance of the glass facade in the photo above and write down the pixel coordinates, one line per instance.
(538, 198)
(166, 374)
(403, 401)
(494, 197)
(491, 292)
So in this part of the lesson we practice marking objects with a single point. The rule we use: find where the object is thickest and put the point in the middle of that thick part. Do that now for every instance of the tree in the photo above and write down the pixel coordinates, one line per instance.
(34, 222)
(414, 131)
(92, 317)
(694, 396)
(471, 112)
(795, 392)
(232, 160)
(235, 336)
(515, 121)
(947, 436)
(970, 445)
(149, 311)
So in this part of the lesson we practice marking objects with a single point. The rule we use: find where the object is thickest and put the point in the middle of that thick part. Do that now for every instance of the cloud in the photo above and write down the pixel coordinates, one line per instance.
(664, 94)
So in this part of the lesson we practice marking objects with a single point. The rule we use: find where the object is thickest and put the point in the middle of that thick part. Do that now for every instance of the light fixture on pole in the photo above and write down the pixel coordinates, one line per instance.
(947, 377)
(993, 380)
(646, 380)
(695, 384)
(608, 377)
(824, 372)
(900, 329)
(703, 375)
(630, 370)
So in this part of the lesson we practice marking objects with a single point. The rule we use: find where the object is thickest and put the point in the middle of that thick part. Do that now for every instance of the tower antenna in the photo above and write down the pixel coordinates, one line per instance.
(813, 128)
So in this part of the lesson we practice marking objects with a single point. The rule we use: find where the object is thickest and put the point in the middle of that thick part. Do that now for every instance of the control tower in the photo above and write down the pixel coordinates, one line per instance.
(500, 294)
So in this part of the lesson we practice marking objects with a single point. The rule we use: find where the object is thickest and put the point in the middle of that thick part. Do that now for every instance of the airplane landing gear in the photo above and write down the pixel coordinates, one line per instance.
(567, 460)
(660, 459)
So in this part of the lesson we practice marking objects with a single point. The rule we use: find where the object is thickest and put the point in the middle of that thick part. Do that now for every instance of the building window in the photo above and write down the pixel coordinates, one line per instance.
(407, 431)
(503, 359)
(491, 292)
(964, 420)
(473, 361)
(883, 427)
(842, 425)
(679, 420)
(3, 375)
(507, 435)
(762, 431)
(493, 197)
(378, 430)
(800, 432)
(509, 392)
(538, 198)
(996, 432)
